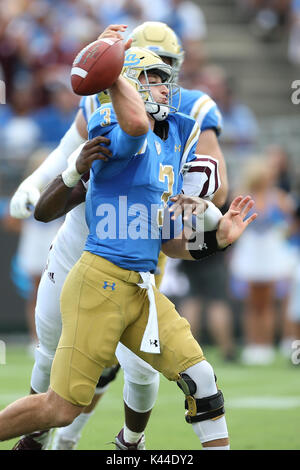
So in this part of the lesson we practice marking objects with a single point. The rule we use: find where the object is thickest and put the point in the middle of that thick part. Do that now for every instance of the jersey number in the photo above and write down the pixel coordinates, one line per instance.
(165, 171)
(106, 117)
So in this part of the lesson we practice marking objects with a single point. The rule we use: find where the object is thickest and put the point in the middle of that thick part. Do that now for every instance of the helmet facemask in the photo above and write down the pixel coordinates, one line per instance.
(159, 111)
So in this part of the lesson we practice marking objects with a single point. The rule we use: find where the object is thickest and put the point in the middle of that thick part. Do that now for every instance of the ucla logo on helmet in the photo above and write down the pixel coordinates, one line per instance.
(131, 59)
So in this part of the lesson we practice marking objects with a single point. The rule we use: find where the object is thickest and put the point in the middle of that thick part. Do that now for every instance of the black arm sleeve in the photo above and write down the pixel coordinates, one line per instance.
(208, 247)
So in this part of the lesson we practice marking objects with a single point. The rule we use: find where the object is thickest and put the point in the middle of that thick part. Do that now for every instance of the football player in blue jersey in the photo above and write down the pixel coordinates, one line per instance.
(109, 295)
(161, 38)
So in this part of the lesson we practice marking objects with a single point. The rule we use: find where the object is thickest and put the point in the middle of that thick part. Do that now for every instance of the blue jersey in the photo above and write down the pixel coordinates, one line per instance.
(193, 103)
(127, 195)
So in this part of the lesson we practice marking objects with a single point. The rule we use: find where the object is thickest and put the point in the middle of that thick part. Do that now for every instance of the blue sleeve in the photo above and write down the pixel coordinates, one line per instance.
(122, 145)
(213, 120)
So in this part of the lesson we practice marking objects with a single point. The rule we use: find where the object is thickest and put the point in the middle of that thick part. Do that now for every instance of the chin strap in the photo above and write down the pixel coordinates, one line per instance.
(159, 112)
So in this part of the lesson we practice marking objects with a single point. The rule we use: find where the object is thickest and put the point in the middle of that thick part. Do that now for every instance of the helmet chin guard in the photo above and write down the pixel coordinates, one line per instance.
(159, 112)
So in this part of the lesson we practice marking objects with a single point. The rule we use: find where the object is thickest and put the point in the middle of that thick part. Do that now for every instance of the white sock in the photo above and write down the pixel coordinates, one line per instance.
(210, 429)
(130, 436)
(73, 431)
(217, 448)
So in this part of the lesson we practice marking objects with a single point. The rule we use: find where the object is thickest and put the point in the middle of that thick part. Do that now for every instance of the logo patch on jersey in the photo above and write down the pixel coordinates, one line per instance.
(177, 148)
(131, 59)
(153, 343)
(109, 285)
(158, 147)
(51, 277)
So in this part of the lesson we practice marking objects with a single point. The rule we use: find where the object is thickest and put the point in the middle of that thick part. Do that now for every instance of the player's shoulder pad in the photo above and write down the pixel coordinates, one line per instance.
(182, 119)
(206, 112)
(203, 101)
(187, 125)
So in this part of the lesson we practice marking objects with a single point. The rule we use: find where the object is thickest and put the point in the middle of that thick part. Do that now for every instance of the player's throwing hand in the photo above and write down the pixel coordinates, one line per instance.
(114, 31)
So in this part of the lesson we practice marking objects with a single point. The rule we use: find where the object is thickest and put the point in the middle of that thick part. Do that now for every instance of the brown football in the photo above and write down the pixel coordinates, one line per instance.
(97, 66)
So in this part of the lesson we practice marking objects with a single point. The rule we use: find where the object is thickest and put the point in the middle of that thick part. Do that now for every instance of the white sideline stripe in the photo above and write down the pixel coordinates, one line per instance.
(79, 71)
(259, 402)
(264, 402)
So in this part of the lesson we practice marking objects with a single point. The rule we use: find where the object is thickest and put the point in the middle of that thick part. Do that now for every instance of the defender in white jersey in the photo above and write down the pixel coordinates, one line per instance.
(67, 243)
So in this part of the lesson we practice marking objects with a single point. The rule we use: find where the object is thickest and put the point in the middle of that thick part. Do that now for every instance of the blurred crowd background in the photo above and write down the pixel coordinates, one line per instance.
(246, 55)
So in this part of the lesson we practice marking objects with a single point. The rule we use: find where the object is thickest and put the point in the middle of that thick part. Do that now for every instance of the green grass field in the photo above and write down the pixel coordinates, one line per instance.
(262, 405)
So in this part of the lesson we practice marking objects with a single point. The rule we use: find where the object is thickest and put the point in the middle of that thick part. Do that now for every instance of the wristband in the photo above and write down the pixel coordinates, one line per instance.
(207, 220)
(212, 217)
(208, 247)
(71, 176)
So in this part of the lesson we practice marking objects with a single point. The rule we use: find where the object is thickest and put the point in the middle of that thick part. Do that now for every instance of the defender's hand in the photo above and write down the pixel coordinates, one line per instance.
(91, 151)
(189, 205)
(233, 223)
(23, 202)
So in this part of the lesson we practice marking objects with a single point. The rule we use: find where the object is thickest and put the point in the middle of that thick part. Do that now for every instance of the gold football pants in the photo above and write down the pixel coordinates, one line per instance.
(102, 304)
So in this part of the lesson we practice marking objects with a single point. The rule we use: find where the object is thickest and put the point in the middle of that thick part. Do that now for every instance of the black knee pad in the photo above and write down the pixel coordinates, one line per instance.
(200, 409)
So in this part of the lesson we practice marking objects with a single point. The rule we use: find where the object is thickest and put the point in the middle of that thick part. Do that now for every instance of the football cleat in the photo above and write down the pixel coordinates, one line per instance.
(35, 441)
(121, 444)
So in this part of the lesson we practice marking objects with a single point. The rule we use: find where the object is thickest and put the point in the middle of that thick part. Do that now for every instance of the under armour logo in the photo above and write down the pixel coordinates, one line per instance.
(203, 246)
(112, 285)
(177, 148)
(51, 277)
(153, 343)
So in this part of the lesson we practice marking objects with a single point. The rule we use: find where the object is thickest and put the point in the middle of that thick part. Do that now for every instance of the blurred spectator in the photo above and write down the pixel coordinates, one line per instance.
(187, 20)
(156, 10)
(200, 292)
(294, 300)
(129, 12)
(294, 37)
(280, 166)
(18, 131)
(54, 119)
(209, 293)
(262, 258)
(268, 17)
(240, 128)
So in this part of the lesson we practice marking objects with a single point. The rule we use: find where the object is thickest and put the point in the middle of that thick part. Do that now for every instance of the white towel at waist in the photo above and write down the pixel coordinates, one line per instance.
(150, 341)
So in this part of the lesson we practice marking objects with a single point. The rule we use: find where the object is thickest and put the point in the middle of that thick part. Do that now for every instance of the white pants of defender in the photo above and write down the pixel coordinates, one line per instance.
(49, 326)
